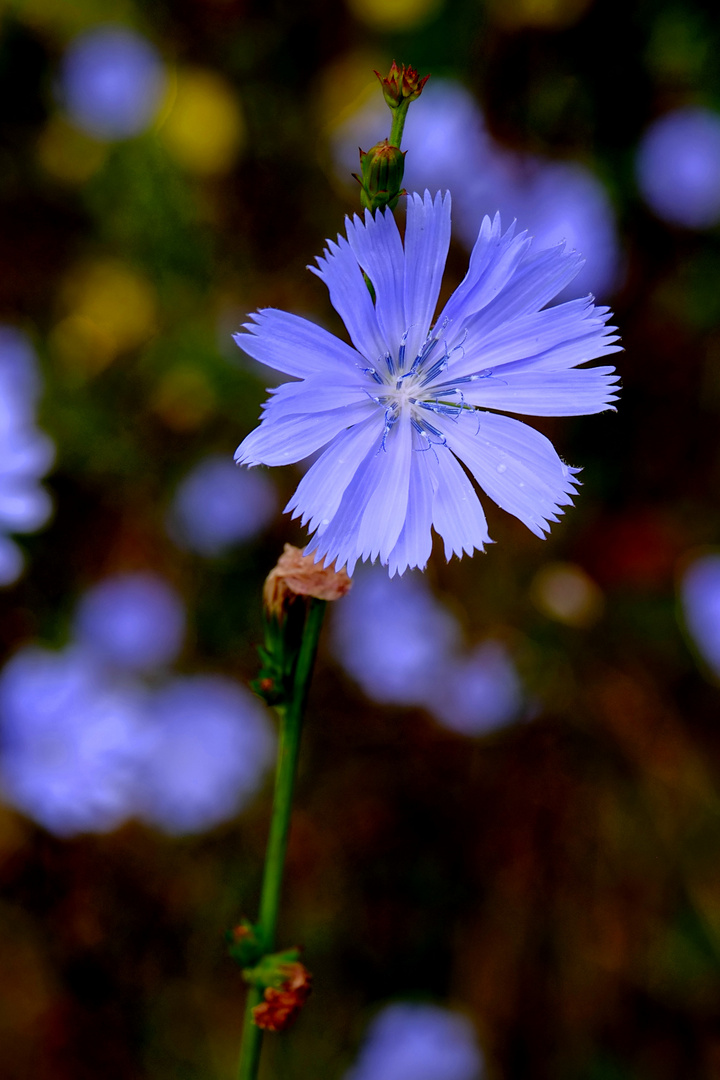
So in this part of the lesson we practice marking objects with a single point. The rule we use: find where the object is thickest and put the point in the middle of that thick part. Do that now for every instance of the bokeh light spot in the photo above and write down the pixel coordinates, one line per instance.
(378, 610)
(183, 399)
(543, 14)
(218, 505)
(112, 82)
(67, 154)
(564, 592)
(700, 600)
(111, 309)
(210, 744)
(204, 129)
(70, 741)
(479, 692)
(134, 620)
(25, 453)
(418, 1042)
(389, 15)
(678, 167)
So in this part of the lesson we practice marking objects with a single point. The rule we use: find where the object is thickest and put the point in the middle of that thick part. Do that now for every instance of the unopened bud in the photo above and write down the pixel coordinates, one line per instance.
(245, 944)
(297, 575)
(382, 175)
(401, 85)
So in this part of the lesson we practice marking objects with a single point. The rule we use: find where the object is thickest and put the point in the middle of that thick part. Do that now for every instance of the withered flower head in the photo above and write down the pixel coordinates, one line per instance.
(299, 575)
(283, 1003)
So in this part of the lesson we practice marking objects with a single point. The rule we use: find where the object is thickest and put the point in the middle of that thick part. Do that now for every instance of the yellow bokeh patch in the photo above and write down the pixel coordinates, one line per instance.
(109, 309)
(203, 126)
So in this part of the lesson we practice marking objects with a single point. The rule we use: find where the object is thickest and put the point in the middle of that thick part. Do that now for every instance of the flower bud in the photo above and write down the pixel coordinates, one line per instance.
(245, 944)
(402, 85)
(382, 174)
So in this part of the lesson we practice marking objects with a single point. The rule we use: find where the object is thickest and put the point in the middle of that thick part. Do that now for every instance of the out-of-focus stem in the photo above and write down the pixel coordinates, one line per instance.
(290, 713)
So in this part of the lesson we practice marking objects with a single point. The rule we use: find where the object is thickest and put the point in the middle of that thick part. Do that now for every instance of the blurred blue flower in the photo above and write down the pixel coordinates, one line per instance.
(556, 201)
(218, 505)
(133, 620)
(70, 741)
(700, 600)
(479, 692)
(678, 167)
(418, 1042)
(423, 634)
(25, 453)
(400, 410)
(447, 142)
(112, 82)
(210, 745)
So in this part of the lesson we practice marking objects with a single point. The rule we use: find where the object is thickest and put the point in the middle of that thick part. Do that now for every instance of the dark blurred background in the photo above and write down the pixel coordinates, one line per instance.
(508, 809)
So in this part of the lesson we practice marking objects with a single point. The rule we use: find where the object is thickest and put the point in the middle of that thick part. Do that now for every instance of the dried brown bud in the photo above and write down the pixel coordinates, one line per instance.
(283, 1003)
(299, 575)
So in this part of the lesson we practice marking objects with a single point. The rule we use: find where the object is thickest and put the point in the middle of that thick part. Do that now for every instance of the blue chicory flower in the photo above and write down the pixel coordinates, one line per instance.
(412, 398)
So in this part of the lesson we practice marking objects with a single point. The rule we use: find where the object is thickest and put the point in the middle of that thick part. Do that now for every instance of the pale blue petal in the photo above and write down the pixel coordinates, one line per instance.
(457, 514)
(514, 464)
(281, 442)
(294, 345)
(316, 395)
(537, 280)
(337, 541)
(377, 246)
(415, 541)
(384, 514)
(427, 239)
(350, 297)
(577, 392)
(493, 262)
(552, 339)
(320, 491)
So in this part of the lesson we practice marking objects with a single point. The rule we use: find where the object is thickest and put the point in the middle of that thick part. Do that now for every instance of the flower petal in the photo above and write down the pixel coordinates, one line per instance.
(377, 246)
(414, 544)
(537, 279)
(384, 514)
(372, 511)
(294, 345)
(280, 442)
(516, 465)
(427, 239)
(315, 395)
(318, 495)
(552, 339)
(493, 261)
(576, 392)
(337, 541)
(457, 514)
(350, 297)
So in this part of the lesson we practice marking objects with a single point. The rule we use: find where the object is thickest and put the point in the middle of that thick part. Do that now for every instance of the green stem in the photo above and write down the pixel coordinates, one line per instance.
(291, 714)
(398, 124)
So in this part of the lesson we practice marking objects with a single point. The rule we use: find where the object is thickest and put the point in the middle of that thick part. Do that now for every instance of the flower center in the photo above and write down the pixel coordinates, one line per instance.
(402, 388)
